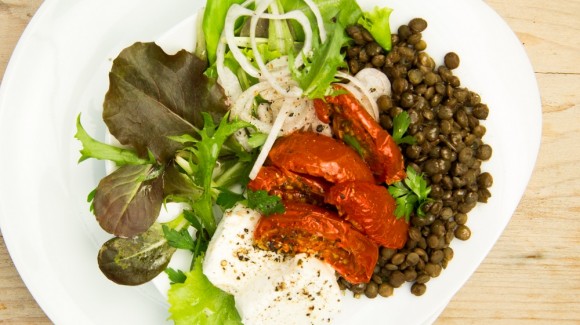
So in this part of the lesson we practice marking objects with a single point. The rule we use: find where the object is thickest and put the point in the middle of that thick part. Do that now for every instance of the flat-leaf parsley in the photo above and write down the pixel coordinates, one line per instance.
(263, 202)
(410, 194)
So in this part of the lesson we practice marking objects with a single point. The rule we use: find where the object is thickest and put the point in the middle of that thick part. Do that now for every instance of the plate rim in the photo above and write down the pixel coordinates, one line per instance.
(12, 66)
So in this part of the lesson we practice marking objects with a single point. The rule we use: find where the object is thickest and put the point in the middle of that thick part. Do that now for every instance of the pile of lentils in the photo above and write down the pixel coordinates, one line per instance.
(449, 150)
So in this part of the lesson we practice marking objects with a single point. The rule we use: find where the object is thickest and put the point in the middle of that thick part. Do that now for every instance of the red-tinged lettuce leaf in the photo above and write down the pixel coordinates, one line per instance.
(178, 185)
(127, 201)
(137, 260)
(153, 95)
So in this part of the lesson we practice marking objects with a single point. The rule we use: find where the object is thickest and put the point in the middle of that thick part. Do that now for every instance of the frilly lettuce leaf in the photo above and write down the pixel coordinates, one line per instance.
(377, 23)
(99, 150)
(327, 58)
(320, 70)
(205, 151)
(198, 301)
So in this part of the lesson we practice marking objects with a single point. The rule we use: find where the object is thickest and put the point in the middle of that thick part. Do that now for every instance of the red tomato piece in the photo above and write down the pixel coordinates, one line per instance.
(310, 153)
(370, 208)
(290, 186)
(322, 110)
(378, 149)
(305, 228)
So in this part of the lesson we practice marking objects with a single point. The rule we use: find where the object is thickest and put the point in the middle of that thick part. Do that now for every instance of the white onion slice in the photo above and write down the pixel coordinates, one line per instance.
(235, 12)
(301, 18)
(229, 81)
(319, 21)
(244, 41)
(276, 127)
(242, 108)
(375, 81)
(264, 112)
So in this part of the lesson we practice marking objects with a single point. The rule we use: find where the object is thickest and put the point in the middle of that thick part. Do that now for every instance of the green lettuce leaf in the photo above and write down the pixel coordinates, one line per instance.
(213, 23)
(178, 186)
(320, 69)
(343, 12)
(377, 23)
(198, 301)
(280, 38)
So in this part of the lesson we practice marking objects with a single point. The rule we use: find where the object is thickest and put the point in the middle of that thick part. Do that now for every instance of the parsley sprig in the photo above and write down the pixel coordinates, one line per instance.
(180, 237)
(410, 194)
(401, 123)
(263, 202)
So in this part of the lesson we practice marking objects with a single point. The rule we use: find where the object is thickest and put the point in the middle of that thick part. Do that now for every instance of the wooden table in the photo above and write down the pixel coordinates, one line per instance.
(532, 275)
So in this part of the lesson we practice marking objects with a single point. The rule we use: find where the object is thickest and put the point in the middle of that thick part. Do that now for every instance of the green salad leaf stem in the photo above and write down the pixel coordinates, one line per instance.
(202, 155)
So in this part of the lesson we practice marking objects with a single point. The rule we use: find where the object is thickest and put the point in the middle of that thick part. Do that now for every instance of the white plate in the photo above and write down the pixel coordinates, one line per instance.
(59, 69)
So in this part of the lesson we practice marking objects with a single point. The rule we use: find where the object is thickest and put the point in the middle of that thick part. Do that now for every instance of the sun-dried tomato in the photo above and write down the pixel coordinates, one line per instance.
(370, 208)
(310, 153)
(350, 119)
(305, 228)
(290, 186)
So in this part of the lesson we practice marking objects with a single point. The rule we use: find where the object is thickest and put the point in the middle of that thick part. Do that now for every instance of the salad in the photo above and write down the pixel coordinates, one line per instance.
(281, 149)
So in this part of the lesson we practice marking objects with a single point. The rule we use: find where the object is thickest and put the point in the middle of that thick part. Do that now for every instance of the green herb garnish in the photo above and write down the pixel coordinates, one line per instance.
(227, 199)
(263, 202)
(175, 276)
(401, 123)
(179, 238)
(410, 194)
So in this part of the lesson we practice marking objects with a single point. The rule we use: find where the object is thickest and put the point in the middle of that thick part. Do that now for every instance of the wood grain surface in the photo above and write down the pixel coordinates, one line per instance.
(532, 275)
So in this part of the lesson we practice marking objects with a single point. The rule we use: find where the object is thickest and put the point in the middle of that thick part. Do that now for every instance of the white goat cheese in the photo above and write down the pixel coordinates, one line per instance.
(268, 287)
(305, 293)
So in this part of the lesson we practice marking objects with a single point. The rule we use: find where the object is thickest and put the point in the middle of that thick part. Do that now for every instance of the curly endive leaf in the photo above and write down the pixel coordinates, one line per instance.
(127, 201)
(137, 260)
(103, 151)
(153, 95)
